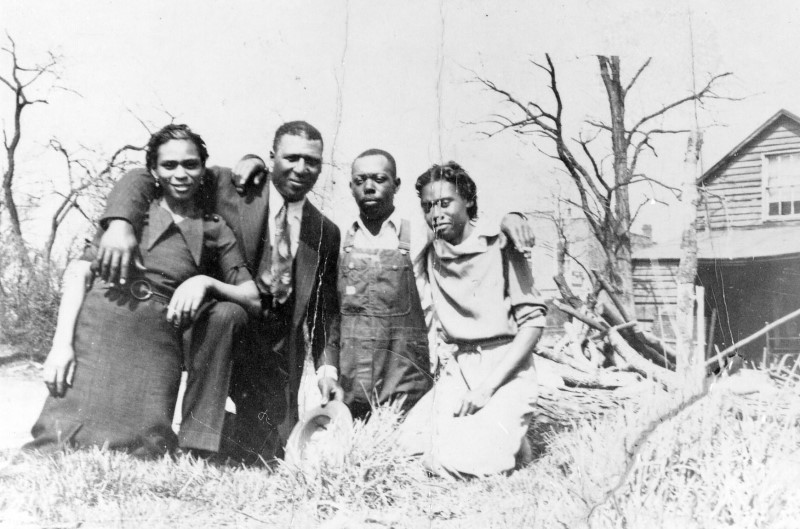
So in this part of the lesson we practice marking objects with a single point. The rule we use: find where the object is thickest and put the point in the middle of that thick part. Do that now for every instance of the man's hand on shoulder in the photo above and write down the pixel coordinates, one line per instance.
(118, 248)
(515, 226)
(250, 170)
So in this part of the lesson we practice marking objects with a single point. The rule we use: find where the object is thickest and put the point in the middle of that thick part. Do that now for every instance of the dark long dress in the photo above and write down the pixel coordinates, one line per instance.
(129, 358)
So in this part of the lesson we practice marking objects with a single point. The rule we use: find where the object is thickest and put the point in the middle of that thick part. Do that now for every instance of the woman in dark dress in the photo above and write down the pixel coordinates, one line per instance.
(115, 366)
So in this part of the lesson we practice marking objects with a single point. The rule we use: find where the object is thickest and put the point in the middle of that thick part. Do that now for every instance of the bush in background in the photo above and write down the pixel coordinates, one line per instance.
(30, 291)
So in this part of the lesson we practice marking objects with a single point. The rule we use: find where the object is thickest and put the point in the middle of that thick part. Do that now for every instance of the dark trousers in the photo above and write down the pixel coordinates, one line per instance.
(210, 345)
(258, 388)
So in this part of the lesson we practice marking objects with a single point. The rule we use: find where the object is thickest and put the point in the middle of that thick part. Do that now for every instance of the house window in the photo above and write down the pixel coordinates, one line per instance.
(782, 185)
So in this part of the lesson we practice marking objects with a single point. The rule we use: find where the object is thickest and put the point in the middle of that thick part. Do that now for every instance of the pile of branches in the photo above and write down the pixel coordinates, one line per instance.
(603, 359)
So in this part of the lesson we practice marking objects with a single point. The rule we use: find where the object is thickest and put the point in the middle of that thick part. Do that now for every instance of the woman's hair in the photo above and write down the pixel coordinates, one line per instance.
(456, 175)
(173, 132)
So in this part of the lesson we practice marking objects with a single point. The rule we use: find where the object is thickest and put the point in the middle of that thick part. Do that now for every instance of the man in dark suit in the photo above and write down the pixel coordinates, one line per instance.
(291, 249)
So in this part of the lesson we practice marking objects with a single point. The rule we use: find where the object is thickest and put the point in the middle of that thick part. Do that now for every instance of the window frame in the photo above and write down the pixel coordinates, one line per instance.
(765, 216)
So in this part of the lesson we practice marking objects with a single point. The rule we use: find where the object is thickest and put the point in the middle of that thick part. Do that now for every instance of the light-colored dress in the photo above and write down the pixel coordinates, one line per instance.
(482, 293)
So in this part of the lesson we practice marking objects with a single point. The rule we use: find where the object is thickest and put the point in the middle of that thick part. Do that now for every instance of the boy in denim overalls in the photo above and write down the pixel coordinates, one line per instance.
(384, 345)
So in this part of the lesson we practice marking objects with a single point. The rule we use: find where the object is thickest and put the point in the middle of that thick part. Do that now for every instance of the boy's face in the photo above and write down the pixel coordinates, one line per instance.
(374, 185)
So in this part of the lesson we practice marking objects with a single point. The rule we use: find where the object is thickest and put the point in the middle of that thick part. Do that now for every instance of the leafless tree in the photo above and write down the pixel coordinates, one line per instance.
(22, 81)
(604, 198)
(88, 182)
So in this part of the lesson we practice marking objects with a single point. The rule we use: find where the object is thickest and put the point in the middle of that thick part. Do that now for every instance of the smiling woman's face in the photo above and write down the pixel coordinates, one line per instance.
(445, 210)
(179, 169)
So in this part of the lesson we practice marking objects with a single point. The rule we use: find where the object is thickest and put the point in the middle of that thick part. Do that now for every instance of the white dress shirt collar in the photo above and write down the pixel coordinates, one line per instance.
(392, 223)
(387, 238)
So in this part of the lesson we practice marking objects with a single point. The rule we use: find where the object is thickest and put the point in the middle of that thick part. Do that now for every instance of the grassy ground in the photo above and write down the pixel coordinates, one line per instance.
(726, 461)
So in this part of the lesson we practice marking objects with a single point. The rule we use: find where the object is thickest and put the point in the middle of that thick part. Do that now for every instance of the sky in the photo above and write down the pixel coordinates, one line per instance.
(393, 75)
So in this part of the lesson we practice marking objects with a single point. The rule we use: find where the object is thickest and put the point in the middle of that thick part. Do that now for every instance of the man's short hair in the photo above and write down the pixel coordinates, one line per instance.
(296, 128)
(173, 131)
(456, 175)
(380, 152)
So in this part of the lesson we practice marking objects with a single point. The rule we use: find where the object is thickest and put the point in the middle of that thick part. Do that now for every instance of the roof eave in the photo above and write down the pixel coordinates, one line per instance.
(725, 159)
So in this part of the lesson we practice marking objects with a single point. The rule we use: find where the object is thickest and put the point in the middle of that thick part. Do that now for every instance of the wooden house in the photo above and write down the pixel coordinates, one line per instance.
(748, 246)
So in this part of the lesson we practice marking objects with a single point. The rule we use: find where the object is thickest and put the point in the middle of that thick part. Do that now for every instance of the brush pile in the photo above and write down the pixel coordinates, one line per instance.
(602, 360)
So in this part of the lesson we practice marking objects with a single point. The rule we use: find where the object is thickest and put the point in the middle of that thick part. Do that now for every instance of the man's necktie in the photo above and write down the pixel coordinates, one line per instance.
(281, 284)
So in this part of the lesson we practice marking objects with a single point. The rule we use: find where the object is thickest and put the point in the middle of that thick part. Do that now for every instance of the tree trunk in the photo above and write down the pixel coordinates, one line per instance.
(55, 222)
(8, 176)
(690, 368)
(623, 269)
(620, 222)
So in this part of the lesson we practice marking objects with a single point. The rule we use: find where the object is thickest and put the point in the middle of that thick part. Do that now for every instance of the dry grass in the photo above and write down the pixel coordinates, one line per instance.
(726, 461)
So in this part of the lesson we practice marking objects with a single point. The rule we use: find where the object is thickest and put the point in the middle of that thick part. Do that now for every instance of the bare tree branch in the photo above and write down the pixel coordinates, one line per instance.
(18, 80)
(605, 203)
(586, 211)
(638, 209)
(531, 117)
(636, 76)
(38, 71)
(706, 91)
(93, 179)
(8, 83)
(597, 172)
(599, 124)
(644, 178)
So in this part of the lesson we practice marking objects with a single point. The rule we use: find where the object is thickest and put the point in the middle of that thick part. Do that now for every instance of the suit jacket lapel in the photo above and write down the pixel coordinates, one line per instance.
(306, 260)
(254, 211)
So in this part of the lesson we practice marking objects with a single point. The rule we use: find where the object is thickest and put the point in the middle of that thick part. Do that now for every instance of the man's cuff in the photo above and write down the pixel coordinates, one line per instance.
(106, 220)
(326, 371)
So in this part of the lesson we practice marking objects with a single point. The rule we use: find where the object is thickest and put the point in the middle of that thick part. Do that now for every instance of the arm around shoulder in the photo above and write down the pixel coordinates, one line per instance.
(126, 208)
(516, 227)
(130, 198)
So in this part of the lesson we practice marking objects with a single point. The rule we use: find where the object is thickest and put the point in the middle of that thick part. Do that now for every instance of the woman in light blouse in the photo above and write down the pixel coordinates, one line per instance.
(489, 318)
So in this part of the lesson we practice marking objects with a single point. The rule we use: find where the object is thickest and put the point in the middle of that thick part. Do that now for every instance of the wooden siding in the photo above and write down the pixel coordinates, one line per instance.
(654, 293)
(735, 195)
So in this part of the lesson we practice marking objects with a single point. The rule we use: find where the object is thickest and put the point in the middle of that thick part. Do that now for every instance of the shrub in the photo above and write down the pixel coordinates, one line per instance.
(30, 292)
